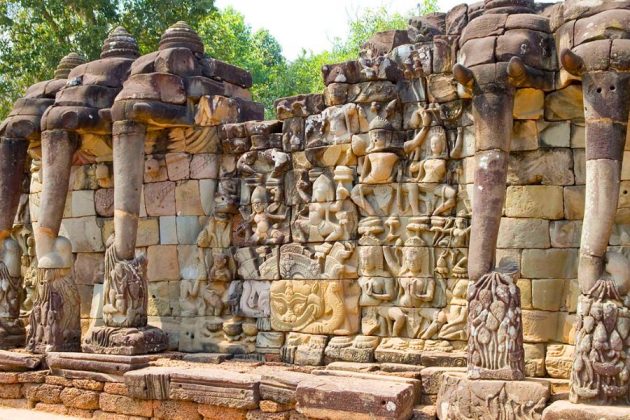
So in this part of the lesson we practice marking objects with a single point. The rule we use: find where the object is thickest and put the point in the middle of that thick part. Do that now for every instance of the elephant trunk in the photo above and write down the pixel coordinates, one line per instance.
(606, 114)
(13, 152)
(492, 110)
(58, 147)
(128, 147)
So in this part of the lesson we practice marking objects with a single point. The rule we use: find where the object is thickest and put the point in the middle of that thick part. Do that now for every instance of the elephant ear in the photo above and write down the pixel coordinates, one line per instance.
(572, 62)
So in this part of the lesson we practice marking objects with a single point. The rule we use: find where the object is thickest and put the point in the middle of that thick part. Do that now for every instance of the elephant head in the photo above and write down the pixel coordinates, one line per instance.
(498, 54)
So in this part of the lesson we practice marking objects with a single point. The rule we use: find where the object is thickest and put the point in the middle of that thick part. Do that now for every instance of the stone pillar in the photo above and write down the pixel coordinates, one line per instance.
(55, 318)
(13, 156)
(125, 289)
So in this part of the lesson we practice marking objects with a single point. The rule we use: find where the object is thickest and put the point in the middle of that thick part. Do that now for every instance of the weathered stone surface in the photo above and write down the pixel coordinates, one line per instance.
(523, 233)
(461, 398)
(18, 361)
(545, 202)
(216, 387)
(80, 398)
(125, 405)
(325, 397)
(561, 410)
(549, 263)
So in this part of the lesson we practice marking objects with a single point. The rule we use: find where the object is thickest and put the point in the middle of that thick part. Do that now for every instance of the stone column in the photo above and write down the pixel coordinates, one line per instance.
(125, 290)
(55, 318)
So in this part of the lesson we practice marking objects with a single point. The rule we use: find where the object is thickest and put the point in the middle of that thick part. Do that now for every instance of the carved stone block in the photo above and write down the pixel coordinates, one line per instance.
(304, 349)
(352, 349)
(461, 398)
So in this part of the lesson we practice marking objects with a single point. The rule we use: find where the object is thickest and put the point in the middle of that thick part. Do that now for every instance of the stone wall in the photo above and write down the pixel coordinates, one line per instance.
(339, 232)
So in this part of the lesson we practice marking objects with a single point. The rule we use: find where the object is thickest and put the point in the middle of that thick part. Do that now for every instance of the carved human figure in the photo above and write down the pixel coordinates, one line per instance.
(377, 284)
(526, 59)
(260, 225)
(12, 333)
(379, 167)
(600, 59)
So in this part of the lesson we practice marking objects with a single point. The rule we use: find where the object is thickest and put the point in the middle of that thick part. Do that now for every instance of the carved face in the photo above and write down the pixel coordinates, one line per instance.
(378, 140)
(258, 206)
(371, 258)
(438, 144)
(412, 260)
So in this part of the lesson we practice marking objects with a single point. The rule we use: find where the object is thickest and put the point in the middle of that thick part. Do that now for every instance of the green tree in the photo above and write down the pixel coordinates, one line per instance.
(35, 34)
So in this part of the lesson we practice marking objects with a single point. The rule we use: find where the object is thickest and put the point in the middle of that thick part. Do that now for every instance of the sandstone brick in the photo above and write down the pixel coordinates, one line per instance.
(12, 390)
(125, 405)
(177, 166)
(8, 378)
(565, 104)
(46, 393)
(89, 384)
(269, 406)
(571, 295)
(537, 201)
(159, 198)
(85, 294)
(524, 135)
(204, 166)
(261, 415)
(83, 203)
(79, 412)
(207, 188)
(84, 233)
(80, 398)
(52, 408)
(35, 377)
(574, 202)
(148, 232)
(175, 410)
(565, 233)
(21, 403)
(523, 233)
(539, 326)
(579, 166)
(548, 294)
(565, 330)
(512, 254)
(525, 286)
(555, 134)
(115, 388)
(211, 412)
(88, 268)
(528, 104)
(534, 360)
(578, 135)
(163, 263)
(188, 228)
(559, 263)
(159, 300)
(168, 230)
(187, 199)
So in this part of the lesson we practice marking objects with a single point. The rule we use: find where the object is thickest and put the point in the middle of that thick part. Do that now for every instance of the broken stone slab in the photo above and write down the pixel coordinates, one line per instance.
(216, 387)
(463, 398)
(299, 106)
(561, 410)
(102, 367)
(151, 383)
(432, 377)
(280, 385)
(355, 398)
(220, 70)
(389, 376)
(13, 361)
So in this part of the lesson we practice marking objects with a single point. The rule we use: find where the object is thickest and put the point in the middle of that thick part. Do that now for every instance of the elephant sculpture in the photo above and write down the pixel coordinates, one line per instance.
(77, 118)
(594, 39)
(499, 52)
(19, 132)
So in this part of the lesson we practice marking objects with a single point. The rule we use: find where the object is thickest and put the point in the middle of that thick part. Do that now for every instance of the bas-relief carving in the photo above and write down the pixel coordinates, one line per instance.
(12, 333)
(315, 306)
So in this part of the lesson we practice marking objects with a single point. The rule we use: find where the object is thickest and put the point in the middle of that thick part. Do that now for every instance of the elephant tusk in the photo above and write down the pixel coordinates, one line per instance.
(572, 62)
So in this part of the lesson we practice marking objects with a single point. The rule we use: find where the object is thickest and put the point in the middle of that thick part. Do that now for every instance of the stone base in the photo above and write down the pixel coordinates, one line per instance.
(12, 333)
(561, 410)
(463, 398)
(99, 367)
(14, 361)
(125, 341)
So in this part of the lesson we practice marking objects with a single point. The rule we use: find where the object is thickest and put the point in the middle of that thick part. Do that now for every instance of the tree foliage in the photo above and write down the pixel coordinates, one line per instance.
(35, 34)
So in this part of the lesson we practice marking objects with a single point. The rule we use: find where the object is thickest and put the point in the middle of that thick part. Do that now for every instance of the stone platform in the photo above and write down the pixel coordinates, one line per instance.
(217, 386)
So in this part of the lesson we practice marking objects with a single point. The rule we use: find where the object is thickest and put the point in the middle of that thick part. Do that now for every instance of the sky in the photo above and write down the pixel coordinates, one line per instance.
(312, 24)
